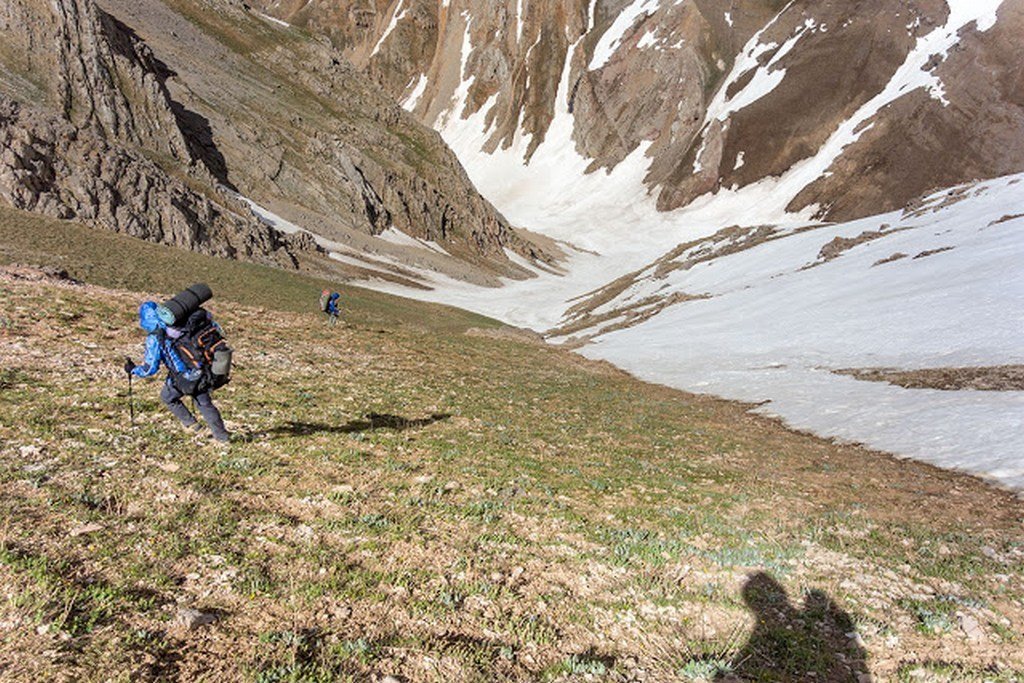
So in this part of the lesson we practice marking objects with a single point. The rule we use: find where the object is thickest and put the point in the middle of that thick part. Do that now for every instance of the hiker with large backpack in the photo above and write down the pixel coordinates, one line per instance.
(183, 337)
(329, 306)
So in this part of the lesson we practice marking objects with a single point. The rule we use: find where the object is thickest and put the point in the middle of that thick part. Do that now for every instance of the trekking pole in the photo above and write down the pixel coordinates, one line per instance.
(131, 401)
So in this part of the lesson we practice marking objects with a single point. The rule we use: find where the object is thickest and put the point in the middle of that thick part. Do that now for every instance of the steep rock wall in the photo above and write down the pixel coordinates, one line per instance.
(101, 142)
(721, 95)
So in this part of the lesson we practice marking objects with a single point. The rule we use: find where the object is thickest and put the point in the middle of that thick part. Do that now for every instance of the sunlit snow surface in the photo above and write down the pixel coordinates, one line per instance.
(773, 330)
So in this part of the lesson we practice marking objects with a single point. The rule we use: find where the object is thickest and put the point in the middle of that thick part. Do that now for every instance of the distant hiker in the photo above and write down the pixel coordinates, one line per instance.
(330, 308)
(325, 297)
(195, 354)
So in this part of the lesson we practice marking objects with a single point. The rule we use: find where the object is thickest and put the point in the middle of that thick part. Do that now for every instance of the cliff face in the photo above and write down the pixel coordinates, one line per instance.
(874, 101)
(49, 166)
(150, 118)
(96, 137)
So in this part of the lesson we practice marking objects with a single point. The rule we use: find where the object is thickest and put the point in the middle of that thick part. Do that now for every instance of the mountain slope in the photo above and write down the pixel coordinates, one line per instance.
(728, 177)
(231, 103)
(407, 499)
(876, 102)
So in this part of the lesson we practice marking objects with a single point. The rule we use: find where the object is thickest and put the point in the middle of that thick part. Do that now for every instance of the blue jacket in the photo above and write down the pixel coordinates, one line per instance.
(332, 304)
(158, 346)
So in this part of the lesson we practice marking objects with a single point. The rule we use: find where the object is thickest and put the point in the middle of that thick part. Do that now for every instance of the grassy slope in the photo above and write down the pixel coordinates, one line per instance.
(118, 261)
(408, 499)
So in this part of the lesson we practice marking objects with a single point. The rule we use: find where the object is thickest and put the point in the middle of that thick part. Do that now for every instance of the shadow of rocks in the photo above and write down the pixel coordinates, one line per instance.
(195, 128)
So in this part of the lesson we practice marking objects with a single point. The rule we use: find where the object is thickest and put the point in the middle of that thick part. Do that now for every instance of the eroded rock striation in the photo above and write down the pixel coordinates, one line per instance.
(876, 102)
(94, 136)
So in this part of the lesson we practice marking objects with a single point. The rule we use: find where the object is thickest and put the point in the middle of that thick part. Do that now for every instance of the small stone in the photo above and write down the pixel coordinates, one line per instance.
(971, 628)
(389, 679)
(452, 486)
(29, 451)
(92, 527)
(191, 619)
(170, 467)
(864, 678)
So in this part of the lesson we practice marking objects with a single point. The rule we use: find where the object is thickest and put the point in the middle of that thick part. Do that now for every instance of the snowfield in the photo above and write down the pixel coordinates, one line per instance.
(937, 287)
(779, 323)
(773, 333)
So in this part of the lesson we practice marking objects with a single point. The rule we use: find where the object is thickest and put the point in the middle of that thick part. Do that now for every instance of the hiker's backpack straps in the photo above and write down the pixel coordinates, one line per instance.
(186, 379)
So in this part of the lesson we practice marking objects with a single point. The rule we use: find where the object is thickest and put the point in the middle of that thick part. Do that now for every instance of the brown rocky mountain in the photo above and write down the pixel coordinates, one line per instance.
(151, 118)
(720, 94)
(88, 131)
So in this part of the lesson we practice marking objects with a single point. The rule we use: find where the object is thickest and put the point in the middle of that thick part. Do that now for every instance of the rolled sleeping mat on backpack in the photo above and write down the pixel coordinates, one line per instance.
(175, 311)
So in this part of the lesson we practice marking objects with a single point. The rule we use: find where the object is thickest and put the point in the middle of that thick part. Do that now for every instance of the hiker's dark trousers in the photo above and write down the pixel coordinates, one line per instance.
(171, 398)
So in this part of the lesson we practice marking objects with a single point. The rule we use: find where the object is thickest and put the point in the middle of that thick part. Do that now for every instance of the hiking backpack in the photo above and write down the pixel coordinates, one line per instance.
(205, 353)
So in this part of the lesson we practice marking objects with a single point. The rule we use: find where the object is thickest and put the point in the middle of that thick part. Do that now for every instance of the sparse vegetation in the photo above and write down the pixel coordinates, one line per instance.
(406, 499)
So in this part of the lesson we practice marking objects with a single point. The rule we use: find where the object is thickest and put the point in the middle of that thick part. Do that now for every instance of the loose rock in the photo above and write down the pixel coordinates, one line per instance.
(192, 619)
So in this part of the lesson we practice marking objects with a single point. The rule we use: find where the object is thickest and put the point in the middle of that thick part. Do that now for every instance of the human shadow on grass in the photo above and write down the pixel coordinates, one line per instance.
(789, 643)
(368, 423)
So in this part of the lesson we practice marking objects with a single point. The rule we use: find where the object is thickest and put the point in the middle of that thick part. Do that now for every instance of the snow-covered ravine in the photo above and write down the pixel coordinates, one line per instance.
(774, 330)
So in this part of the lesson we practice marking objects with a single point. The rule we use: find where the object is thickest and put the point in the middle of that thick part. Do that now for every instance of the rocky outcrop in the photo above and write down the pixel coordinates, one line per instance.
(50, 166)
(109, 80)
(720, 95)
(101, 142)
(304, 133)
(97, 127)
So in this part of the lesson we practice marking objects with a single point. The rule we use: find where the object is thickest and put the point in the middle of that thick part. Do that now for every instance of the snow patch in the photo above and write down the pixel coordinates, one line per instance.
(766, 78)
(273, 20)
(417, 93)
(612, 38)
(520, 17)
(399, 14)
(647, 40)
